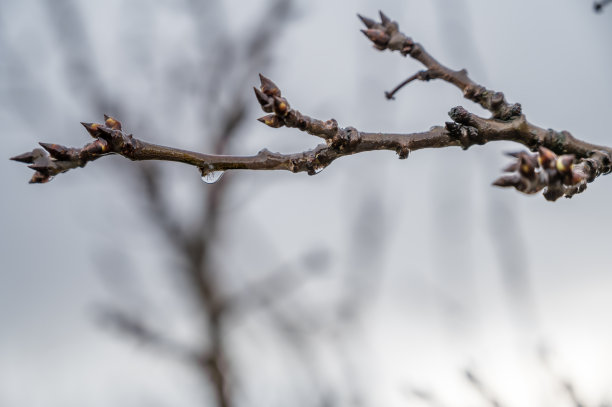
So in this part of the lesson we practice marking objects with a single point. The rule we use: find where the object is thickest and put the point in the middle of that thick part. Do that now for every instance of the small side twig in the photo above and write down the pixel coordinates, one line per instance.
(421, 75)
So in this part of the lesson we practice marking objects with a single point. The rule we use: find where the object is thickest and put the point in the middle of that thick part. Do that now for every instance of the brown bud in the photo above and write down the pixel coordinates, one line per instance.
(546, 157)
(29, 157)
(369, 23)
(564, 163)
(460, 115)
(42, 168)
(281, 106)
(56, 151)
(268, 87)
(105, 133)
(553, 193)
(39, 178)
(100, 146)
(271, 120)
(112, 122)
(577, 177)
(378, 37)
(516, 110)
(507, 181)
(264, 100)
(511, 167)
(383, 18)
(92, 129)
(527, 164)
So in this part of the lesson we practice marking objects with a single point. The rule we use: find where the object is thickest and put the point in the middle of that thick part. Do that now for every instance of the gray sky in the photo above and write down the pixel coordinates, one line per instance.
(441, 300)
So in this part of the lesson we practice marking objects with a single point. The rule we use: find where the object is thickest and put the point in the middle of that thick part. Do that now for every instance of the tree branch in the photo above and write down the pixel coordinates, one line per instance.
(562, 165)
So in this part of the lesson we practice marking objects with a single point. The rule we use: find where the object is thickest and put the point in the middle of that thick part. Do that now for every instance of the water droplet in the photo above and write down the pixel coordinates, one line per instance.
(315, 170)
(210, 177)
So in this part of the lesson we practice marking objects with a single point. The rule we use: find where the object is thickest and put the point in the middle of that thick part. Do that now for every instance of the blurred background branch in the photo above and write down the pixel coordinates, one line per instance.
(211, 299)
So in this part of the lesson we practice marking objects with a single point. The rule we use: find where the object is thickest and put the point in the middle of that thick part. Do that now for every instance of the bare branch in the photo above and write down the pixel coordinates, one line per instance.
(579, 162)
(481, 389)
(134, 327)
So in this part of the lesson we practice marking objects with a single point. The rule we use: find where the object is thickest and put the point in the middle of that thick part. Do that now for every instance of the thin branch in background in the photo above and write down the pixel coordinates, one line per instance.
(566, 385)
(191, 245)
(134, 327)
(425, 396)
(481, 389)
(277, 284)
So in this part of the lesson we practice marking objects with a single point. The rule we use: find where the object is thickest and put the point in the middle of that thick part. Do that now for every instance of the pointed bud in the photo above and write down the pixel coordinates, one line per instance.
(546, 157)
(369, 23)
(39, 178)
(383, 18)
(271, 120)
(105, 133)
(378, 37)
(264, 100)
(112, 122)
(92, 129)
(281, 106)
(512, 167)
(514, 154)
(42, 168)
(29, 157)
(97, 147)
(526, 168)
(564, 163)
(577, 177)
(268, 87)
(56, 151)
(507, 181)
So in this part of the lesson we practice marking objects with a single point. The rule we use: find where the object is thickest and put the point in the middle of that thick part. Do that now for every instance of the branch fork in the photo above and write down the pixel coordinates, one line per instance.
(559, 164)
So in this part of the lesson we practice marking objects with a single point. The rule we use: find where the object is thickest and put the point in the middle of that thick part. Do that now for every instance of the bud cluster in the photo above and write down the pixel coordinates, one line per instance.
(271, 101)
(530, 173)
(386, 34)
(55, 158)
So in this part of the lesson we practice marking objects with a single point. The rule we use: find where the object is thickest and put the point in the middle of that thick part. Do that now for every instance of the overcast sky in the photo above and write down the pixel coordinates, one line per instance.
(466, 275)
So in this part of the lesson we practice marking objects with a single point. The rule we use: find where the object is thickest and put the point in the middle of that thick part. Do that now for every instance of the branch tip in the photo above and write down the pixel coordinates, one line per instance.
(383, 18)
(29, 157)
(271, 120)
(378, 37)
(268, 87)
(264, 100)
(368, 22)
(92, 129)
(56, 151)
(112, 122)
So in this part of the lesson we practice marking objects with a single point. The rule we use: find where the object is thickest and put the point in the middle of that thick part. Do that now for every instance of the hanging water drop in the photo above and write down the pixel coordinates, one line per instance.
(315, 170)
(211, 177)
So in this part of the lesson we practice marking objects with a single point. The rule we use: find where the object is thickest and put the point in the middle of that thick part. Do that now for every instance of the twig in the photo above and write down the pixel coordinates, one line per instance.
(481, 389)
(579, 162)
(421, 75)
(136, 328)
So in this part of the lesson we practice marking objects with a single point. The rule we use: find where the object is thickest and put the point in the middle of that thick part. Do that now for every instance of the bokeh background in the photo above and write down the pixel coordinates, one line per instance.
(377, 282)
